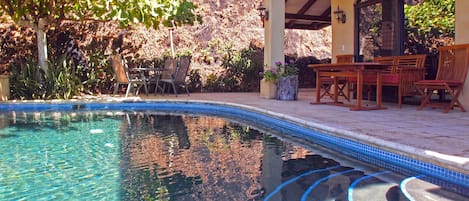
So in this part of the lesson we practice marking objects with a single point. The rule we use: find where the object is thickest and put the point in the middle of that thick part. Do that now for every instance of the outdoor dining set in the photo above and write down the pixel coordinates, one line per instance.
(407, 73)
(174, 73)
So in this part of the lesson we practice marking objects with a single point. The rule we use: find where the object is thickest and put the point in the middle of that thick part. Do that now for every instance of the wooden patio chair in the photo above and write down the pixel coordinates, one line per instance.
(341, 83)
(453, 65)
(170, 66)
(408, 70)
(122, 76)
(177, 77)
(344, 58)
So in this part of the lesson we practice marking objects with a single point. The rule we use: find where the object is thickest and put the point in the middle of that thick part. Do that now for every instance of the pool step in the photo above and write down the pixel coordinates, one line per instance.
(417, 189)
(375, 189)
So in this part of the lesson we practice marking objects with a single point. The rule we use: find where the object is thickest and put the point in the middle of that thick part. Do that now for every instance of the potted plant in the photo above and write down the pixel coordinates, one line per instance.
(269, 83)
(285, 77)
(4, 82)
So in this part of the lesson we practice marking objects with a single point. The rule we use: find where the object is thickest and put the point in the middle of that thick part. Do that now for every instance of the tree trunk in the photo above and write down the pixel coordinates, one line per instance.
(42, 44)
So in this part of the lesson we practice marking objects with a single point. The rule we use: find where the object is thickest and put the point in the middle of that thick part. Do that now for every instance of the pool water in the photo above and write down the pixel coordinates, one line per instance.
(60, 156)
(147, 155)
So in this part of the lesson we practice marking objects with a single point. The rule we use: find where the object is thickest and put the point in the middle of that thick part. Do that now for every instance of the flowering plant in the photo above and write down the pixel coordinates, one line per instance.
(281, 70)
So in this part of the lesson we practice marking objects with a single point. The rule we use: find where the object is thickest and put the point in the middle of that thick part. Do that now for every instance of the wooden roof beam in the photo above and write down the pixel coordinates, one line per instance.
(307, 17)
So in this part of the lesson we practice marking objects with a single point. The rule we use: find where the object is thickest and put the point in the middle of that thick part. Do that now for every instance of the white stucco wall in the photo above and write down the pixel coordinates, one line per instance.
(274, 31)
(342, 34)
(462, 37)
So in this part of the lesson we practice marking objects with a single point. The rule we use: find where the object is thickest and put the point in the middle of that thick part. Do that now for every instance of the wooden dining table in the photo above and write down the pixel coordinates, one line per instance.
(349, 70)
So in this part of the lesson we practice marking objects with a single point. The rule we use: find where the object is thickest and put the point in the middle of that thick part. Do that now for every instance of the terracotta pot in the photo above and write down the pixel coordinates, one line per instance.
(268, 89)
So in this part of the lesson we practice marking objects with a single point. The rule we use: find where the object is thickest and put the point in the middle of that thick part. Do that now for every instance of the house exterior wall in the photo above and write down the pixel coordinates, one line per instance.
(342, 34)
(462, 37)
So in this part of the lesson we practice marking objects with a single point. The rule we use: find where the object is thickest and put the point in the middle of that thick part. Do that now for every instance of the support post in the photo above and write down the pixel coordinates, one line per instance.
(274, 33)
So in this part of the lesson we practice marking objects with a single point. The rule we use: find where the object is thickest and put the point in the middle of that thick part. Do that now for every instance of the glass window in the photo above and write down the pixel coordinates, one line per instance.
(370, 40)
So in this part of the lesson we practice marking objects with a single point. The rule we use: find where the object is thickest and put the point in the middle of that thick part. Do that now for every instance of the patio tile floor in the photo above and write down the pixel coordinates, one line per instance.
(418, 134)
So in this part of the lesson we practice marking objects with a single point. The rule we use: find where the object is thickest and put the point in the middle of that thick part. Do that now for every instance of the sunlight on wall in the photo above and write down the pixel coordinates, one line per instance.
(462, 24)
(342, 34)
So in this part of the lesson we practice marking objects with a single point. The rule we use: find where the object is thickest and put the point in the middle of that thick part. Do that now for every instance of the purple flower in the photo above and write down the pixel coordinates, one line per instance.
(278, 63)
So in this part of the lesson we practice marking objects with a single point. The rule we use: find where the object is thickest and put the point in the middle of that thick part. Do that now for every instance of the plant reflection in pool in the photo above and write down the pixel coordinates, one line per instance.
(160, 156)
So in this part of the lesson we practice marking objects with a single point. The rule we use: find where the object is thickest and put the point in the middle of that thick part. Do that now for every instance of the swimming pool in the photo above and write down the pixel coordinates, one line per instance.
(287, 131)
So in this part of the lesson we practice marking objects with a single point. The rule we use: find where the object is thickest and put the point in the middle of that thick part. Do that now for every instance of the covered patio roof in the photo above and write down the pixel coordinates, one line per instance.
(307, 14)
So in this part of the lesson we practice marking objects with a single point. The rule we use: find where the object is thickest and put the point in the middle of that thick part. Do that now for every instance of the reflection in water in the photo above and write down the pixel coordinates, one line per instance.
(7, 136)
(206, 158)
(201, 158)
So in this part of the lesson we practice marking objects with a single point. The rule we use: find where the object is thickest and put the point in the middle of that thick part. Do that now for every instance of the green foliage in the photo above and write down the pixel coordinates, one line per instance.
(150, 13)
(270, 74)
(429, 25)
(43, 15)
(281, 70)
(61, 80)
(214, 51)
(289, 68)
(195, 81)
(170, 13)
(242, 68)
(213, 83)
(438, 15)
(25, 81)
(185, 52)
(97, 78)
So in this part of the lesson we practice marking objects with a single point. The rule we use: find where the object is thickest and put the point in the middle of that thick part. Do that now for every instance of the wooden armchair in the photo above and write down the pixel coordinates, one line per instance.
(407, 70)
(328, 82)
(453, 65)
(123, 76)
(177, 76)
(344, 58)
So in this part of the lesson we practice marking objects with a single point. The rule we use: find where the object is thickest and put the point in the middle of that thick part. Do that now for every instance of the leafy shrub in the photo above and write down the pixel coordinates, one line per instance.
(195, 81)
(62, 80)
(98, 77)
(25, 80)
(213, 82)
(242, 69)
